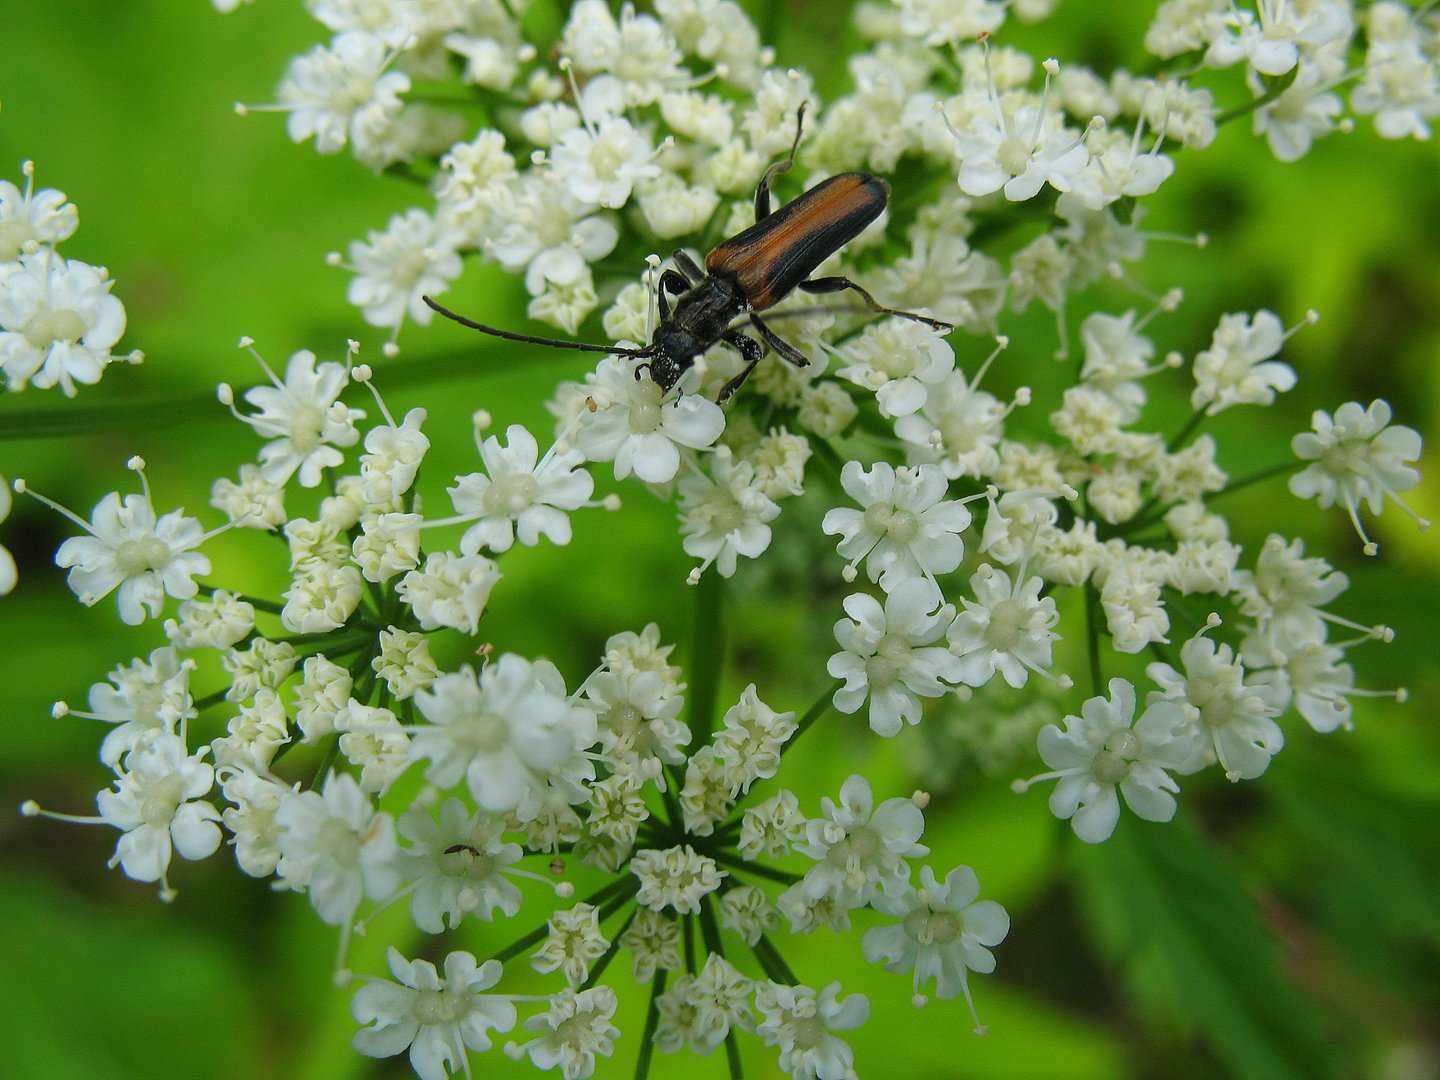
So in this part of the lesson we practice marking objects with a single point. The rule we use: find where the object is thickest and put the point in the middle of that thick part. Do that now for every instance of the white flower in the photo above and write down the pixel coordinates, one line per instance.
(637, 713)
(452, 590)
(958, 428)
(944, 933)
(252, 818)
(900, 360)
(637, 50)
(751, 739)
(342, 92)
(542, 229)
(508, 733)
(1018, 149)
(860, 849)
(772, 827)
(1005, 629)
(404, 662)
(1357, 457)
(800, 1022)
(436, 1018)
(58, 322)
(1269, 39)
(1227, 719)
(523, 494)
(576, 1028)
(1105, 750)
(602, 164)
(373, 739)
(1284, 596)
(322, 599)
(252, 502)
(885, 657)
(640, 432)
(149, 698)
(950, 22)
(158, 802)
(31, 218)
(217, 623)
(677, 878)
(414, 257)
(254, 735)
(907, 527)
(572, 944)
(337, 847)
(1237, 369)
(724, 518)
(130, 550)
(304, 419)
(392, 457)
(458, 863)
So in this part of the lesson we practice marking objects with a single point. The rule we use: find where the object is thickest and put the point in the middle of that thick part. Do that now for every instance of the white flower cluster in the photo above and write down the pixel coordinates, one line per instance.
(991, 547)
(58, 320)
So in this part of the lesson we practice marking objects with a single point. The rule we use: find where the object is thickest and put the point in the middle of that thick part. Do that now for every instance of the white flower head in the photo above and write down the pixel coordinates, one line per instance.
(158, 802)
(945, 932)
(801, 1021)
(1006, 629)
(601, 165)
(452, 590)
(1227, 718)
(342, 92)
(888, 655)
(1105, 752)
(58, 322)
(144, 699)
(638, 430)
(574, 1031)
(31, 218)
(860, 849)
(437, 1018)
(1237, 369)
(1357, 456)
(520, 494)
(677, 878)
(509, 732)
(540, 228)
(907, 527)
(337, 847)
(129, 549)
(457, 861)
(900, 360)
(304, 420)
(726, 517)
(414, 257)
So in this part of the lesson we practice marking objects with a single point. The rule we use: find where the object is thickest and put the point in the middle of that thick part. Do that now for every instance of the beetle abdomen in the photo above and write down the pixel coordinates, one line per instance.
(773, 256)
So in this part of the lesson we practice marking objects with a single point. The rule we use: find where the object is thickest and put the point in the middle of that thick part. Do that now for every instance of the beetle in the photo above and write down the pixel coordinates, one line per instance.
(747, 274)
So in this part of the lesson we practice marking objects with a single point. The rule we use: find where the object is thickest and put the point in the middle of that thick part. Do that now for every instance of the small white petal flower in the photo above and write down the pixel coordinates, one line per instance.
(342, 92)
(130, 550)
(1105, 750)
(304, 419)
(726, 517)
(676, 878)
(860, 849)
(30, 218)
(888, 657)
(640, 432)
(573, 943)
(1006, 629)
(509, 733)
(944, 933)
(520, 494)
(437, 1018)
(457, 862)
(1358, 456)
(414, 257)
(58, 322)
(575, 1030)
(907, 527)
(1237, 369)
(800, 1022)
(337, 847)
(158, 803)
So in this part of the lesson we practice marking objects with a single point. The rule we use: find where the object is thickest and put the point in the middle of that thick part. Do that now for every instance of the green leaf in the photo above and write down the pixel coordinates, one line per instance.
(1173, 915)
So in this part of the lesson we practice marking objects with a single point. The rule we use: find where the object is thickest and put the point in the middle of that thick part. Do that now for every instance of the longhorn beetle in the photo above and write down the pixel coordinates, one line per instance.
(747, 274)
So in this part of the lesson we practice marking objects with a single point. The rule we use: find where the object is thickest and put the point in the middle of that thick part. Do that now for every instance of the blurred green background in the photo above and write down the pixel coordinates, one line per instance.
(1288, 927)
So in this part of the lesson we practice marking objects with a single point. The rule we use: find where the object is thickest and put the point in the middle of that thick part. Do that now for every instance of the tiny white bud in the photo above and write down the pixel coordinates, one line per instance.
(29, 808)
(333, 258)
(59, 709)
(135, 464)
(390, 349)
(245, 341)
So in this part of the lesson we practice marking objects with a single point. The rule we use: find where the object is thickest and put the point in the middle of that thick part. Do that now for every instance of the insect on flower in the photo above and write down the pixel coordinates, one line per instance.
(747, 274)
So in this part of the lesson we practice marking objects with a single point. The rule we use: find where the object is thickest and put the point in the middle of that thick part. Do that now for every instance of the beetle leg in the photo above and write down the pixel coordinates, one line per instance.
(837, 284)
(670, 282)
(762, 193)
(753, 353)
(687, 267)
(779, 344)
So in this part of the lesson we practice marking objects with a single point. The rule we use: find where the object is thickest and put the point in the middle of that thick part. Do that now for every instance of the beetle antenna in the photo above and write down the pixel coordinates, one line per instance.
(578, 346)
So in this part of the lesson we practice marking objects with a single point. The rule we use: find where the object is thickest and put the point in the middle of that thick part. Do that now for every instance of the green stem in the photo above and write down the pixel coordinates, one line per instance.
(735, 862)
(258, 604)
(1092, 626)
(613, 949)
(773, 964)
(707, 655)
(652, 1020)
(817, 710)
(1185, 432)
(1278, 86)
(84, 419)
(515, 948)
